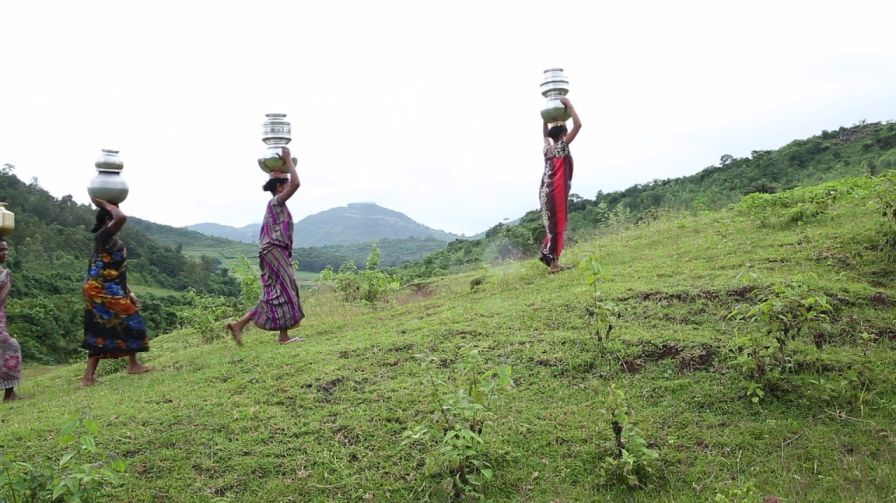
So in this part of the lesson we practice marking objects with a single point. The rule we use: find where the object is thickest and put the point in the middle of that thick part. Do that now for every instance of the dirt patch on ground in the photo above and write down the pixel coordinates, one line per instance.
(690, 359)
(345, 435)
(549, 361)
(635, 364)
(688, 297)
(328, 387)
(694, 359)
(880, 299)
(415, 292)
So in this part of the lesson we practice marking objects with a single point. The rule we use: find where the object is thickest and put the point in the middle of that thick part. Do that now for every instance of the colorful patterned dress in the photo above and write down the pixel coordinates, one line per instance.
(113, 326)
(280, 307)
(10, 353)
(554, 195)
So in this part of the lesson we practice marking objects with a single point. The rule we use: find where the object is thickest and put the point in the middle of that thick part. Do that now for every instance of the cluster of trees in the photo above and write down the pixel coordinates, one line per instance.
(848, 151)
(394, 252)
(48, 255)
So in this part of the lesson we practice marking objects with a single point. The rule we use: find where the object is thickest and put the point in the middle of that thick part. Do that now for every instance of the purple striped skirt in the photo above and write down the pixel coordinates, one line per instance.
(280, 306)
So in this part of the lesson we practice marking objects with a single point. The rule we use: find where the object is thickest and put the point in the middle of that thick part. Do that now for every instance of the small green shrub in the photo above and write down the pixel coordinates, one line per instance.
(632, 461)
(602, 313)
(463, 409)
(80, 475)
(206, 315)
(370, 285)
(784, 312)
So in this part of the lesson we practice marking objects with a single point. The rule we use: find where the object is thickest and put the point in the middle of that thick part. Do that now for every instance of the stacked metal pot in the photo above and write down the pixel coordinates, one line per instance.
(554, 86)
(276, 133)
(108, 184)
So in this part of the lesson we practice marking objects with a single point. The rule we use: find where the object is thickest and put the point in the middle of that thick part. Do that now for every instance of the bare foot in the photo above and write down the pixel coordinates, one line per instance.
(139, 369)
(236, 333)
(90, 382)
(11, 398)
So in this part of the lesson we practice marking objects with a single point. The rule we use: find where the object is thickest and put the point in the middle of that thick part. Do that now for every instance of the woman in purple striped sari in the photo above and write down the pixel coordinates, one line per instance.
(280, 307)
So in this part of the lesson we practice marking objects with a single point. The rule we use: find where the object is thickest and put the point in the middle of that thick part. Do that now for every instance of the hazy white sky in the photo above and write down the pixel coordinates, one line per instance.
(428, 108)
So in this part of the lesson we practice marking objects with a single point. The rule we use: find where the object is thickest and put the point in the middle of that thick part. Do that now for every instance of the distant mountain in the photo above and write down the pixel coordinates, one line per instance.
(355, 223)
(246, 233)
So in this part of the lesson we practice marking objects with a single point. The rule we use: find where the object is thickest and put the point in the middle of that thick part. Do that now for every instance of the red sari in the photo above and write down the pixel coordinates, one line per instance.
(554, 195)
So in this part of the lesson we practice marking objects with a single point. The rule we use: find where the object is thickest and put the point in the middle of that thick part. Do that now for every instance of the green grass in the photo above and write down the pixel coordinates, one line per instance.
(322, 420)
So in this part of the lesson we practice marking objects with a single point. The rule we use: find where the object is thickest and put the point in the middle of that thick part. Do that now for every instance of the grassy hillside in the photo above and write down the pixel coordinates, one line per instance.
(865, 148)
(727, 416)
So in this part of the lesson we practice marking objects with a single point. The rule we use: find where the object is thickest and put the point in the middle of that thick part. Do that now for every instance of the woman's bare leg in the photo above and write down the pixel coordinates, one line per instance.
(89, 378)
(236, 327)
(135, 367)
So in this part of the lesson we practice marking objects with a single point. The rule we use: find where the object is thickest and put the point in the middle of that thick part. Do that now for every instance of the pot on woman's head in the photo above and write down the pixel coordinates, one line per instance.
(554, 86)
(7, 221)
(108, 186)
(108, 183)
(276, 133)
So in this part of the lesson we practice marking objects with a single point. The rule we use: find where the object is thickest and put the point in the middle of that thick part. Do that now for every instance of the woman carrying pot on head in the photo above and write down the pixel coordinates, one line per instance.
(113, 327)
(10, 353)
(555, 185)
(280, 307)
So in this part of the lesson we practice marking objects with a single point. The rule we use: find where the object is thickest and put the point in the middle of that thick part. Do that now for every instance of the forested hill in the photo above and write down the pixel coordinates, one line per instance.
(49, 251)
(865, 148)
(344, 225)
(52, 243)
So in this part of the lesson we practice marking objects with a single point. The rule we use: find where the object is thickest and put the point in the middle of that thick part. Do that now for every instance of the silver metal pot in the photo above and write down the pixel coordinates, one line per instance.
(7, 221)
(108, 184)
(276, 133)
(554, 85)
(109, 161)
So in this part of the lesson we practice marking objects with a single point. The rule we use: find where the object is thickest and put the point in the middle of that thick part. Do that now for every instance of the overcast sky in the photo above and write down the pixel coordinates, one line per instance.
(428, 108)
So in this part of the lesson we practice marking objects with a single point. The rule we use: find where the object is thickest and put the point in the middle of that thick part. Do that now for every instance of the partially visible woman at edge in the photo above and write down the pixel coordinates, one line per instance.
(113, 327)
(10, 353)
(279, 308)
(555, 185)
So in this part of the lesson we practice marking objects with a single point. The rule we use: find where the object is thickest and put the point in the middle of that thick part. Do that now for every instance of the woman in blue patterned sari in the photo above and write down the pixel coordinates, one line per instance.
(113, 327)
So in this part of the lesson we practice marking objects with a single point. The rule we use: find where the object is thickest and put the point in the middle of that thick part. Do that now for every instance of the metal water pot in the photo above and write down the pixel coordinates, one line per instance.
(7, 221)
(108, 184)
(554, 86)
(276, 133)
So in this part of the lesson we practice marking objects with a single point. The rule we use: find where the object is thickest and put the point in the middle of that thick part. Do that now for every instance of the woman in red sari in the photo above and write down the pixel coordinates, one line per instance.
(555, 185)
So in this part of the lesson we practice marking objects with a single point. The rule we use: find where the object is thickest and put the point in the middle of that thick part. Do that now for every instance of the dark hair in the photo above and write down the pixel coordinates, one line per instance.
(557, 133)
(102, 217)
(272, 184)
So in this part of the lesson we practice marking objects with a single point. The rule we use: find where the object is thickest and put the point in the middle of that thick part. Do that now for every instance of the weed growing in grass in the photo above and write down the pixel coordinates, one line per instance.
(737, 492)
(463, 410)
(603, 314)
(789, 309)
(632, 461)
(77, 477)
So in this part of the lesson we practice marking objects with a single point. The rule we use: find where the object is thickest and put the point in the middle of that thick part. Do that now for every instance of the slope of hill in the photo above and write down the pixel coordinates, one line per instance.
(863, 148)
(352, 224)
(677, 378)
